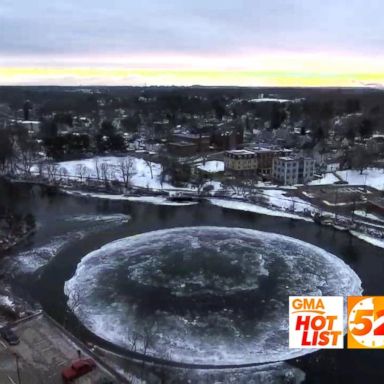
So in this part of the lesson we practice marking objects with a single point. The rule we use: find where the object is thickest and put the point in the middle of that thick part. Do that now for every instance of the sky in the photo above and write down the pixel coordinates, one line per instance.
(188, 42)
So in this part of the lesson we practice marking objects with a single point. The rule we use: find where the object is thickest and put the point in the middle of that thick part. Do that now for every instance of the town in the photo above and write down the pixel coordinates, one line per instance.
(307, 153)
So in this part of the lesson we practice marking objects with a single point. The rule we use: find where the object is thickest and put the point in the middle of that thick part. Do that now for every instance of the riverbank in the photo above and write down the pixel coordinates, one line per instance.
(271, 201)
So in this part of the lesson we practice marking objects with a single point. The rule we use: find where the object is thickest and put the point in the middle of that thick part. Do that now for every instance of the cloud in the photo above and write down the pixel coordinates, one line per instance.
(72, 27)
(246, 34)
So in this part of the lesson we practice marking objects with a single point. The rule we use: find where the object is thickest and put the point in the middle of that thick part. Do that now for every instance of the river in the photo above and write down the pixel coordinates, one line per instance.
(79, 225)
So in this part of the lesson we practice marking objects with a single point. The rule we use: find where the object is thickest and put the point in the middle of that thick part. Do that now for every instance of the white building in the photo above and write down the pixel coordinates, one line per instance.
(290, 170)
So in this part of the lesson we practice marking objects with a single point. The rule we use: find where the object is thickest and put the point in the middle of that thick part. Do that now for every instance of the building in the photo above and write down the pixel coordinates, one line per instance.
(201, 141)
(240, 161)
(228, 137)
(290, 170)
(182, 149)
(265, 157)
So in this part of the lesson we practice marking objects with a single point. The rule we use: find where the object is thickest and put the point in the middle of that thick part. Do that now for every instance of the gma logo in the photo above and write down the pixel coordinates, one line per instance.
(308, 304)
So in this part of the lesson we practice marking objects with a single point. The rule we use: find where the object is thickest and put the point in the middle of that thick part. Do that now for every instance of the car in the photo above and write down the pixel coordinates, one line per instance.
(9, 336)
(77, 369)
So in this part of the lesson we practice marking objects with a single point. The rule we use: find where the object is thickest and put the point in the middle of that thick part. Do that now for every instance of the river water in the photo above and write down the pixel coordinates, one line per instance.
(70, 227)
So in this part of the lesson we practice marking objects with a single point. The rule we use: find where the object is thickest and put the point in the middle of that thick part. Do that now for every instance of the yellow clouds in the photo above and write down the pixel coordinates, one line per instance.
(272, 70)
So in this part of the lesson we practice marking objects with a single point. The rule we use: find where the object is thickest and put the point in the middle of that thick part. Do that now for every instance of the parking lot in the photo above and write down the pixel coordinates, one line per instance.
(45, 349)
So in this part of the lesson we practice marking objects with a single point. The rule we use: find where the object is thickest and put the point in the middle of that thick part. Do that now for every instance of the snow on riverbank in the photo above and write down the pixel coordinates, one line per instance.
(279, 199)
(369, 239)
(249, 207)
(158, 200)
(368, 215)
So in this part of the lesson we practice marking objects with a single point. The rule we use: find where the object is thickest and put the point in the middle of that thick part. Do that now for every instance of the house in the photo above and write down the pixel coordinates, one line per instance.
(290, 170)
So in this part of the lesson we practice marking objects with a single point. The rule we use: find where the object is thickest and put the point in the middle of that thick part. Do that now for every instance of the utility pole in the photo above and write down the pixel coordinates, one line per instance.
(17, 367)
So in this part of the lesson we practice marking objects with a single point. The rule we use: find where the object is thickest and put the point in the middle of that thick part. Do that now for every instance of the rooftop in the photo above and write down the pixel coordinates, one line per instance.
(241, 152)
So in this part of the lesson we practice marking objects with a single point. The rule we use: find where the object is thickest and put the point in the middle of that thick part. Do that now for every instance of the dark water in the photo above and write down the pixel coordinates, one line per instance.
(326, 366)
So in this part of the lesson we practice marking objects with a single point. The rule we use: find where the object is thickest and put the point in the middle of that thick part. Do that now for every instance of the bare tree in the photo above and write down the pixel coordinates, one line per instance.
(97, 168)
(51, 169)
(149, 165)
(27, 157)
(62, 173)
(126, 168)
(105, 172)
(81, 171)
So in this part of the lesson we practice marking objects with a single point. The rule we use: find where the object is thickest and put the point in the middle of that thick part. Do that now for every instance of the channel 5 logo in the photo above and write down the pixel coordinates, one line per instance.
(366, 322)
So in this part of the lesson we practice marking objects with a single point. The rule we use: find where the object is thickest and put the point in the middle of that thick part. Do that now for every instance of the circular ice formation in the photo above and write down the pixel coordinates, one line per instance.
(203, 295)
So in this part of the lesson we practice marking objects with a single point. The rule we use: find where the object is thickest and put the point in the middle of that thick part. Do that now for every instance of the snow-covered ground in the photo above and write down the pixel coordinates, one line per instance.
(369, 239)
(249, 207)
(279, 199)
(372, 177)
(141, 170)
(158, 200)
(328, 178)
(369, 215)
(212, 166)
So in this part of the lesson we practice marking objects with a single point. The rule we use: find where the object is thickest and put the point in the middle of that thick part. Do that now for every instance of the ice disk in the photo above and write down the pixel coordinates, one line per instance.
(203, 295)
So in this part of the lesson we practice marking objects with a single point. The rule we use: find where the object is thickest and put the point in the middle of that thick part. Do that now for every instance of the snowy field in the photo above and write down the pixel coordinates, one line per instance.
(212, 166)
(329, 178)
(144, 174)
(372, 177)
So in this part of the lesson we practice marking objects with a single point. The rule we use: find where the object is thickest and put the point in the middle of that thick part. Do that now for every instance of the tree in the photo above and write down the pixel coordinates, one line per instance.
(360, 158)
(6, 151)
(130, 123)
(126, 168)
(52, 170)
(149, 165)
(97, 167)
(278, 115)
(352, 106)
(81, 171)
(107, 128)
(27, 151)
(366, 128)
(199, 182)
(26, 108)
(219, 109)
(105, 172)
(48, 129)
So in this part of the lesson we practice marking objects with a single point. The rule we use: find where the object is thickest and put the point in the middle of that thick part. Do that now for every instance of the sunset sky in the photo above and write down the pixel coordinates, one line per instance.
(179, 42)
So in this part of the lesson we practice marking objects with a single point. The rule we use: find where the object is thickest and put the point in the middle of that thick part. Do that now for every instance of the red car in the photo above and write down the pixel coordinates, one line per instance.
(77, 369)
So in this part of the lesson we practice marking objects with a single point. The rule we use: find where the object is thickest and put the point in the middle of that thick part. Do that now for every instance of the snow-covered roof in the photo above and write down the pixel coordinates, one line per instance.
(240, 152)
